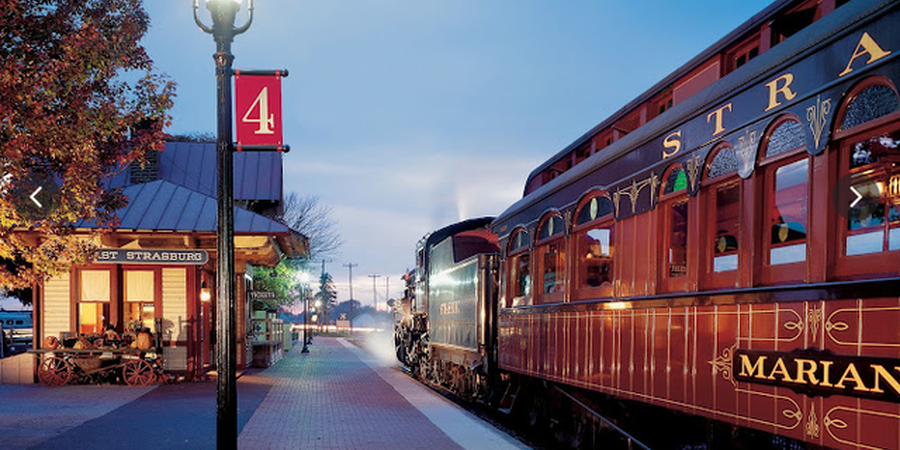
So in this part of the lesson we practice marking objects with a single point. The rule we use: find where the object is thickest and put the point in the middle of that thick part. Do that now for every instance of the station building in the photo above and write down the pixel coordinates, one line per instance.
(157, 269)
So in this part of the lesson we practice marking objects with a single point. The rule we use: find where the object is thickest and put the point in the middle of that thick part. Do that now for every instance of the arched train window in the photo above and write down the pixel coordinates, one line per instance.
(550, 252)
(869, 144)
(786, 193)
(519, 268)
(674, 207)
(594, 232)
(722, 194)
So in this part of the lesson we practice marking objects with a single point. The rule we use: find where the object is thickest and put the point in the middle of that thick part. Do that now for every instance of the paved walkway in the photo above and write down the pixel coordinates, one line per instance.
(335, 397)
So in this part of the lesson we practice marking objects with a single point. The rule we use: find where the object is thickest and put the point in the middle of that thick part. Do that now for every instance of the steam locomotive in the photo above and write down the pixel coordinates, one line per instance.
(715, 265)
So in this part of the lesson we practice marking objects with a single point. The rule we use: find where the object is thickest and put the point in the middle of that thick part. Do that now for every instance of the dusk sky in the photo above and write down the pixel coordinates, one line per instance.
(404, 116)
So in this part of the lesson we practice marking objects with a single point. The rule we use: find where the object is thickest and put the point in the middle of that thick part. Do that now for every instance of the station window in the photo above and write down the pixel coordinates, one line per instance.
(519, 268)
(594, 232)
(551, 256)
(869, 155)
(93, 301)
(723, 193)
(786, 172)
(675, 225)
(140, 305)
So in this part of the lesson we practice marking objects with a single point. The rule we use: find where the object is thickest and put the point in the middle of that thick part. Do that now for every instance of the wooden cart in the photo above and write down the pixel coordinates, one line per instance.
(134, 367)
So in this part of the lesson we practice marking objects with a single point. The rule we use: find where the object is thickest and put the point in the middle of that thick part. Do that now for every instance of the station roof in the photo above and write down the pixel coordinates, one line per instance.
(257, 175)
(164, 206)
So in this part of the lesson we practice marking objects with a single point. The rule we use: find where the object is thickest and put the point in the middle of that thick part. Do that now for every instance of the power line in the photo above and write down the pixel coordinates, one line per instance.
(374, 291)
(351, 266)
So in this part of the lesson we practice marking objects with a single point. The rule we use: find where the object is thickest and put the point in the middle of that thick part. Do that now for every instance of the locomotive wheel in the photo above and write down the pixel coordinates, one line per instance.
(55, 371)
(138, 373)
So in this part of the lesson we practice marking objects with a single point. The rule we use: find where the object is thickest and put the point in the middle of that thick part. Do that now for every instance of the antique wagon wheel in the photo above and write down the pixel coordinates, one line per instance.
(55, 371)
(138, 372)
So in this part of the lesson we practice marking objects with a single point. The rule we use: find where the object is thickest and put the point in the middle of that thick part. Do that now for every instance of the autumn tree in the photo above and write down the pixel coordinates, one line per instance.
(79, 99)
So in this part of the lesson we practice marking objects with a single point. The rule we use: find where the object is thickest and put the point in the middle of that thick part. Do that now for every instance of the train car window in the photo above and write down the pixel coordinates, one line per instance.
(869, 156)
(724, 162)
(723, 194)
(788, 136)
(551, 259)
(786, 183)
(873, 102)
(93, 301)
(675, 225)
(519, 268)
(594, 233)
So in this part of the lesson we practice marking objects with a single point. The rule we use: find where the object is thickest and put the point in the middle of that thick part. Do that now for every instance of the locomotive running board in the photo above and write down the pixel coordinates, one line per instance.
(606, 422)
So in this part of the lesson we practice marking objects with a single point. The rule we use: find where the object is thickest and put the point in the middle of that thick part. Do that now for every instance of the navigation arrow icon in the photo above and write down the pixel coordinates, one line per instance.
(858, 197)
(36, 202)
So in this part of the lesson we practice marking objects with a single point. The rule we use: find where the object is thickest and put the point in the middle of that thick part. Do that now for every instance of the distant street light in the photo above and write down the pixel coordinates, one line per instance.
(223, 13)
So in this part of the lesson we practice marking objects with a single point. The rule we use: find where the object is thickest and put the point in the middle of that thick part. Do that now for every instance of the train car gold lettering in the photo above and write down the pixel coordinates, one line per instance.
(784, 89)
(806, 368)
(673, 141)
(811, 372)
(718, 114)
(866, 46)
(881, 373)
(756, 370)
(851, 374)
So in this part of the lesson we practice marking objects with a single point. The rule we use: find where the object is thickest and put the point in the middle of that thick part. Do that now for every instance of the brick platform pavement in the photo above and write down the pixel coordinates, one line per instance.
(339, 397)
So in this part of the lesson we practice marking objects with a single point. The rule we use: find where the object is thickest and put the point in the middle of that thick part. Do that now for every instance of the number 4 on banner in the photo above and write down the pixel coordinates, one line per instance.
(265, 120)
(258, 107)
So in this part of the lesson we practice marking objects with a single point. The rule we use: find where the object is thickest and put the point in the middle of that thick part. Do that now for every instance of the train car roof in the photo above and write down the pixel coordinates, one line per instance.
(765, 65)
(470, 224)
(720, 45)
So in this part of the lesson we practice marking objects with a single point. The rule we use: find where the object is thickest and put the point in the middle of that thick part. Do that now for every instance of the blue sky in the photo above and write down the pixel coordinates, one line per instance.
(407, 115)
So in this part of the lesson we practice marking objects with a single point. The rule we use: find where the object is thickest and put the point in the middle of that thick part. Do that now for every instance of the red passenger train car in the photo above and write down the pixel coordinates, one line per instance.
(728, 245)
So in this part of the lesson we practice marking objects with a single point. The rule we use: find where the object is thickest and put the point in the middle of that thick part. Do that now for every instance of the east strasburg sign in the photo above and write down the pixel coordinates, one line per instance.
(114, 256)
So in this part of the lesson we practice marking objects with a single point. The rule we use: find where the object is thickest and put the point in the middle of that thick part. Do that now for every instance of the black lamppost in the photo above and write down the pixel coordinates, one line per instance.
(304, 292)
(223, 13)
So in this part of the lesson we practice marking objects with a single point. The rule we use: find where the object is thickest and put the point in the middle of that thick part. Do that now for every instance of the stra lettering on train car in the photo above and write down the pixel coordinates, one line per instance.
(796, 90)
(821, 373)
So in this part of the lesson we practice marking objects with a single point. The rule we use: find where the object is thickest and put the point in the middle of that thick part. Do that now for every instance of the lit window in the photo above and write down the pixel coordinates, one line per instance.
(140, 309)
(552, 253)
(519, 268)
(93, 302)
(594, 228)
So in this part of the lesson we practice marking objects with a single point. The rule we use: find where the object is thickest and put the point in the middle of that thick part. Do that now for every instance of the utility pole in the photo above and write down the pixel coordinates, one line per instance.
(374, 292)
(387, 288)
(351, 266)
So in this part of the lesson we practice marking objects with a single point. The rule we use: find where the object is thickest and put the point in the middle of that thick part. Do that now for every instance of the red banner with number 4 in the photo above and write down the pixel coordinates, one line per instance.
(258, 109)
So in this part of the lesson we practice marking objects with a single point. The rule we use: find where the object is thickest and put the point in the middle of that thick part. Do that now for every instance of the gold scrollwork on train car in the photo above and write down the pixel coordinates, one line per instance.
(817, 116)
(834, 325)
(791, 411)
(724, 363)
(693, 170)
(812, 422)
(835, 426)
(745, 150)
(634, 190)
(793, 323)
(813, 321)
